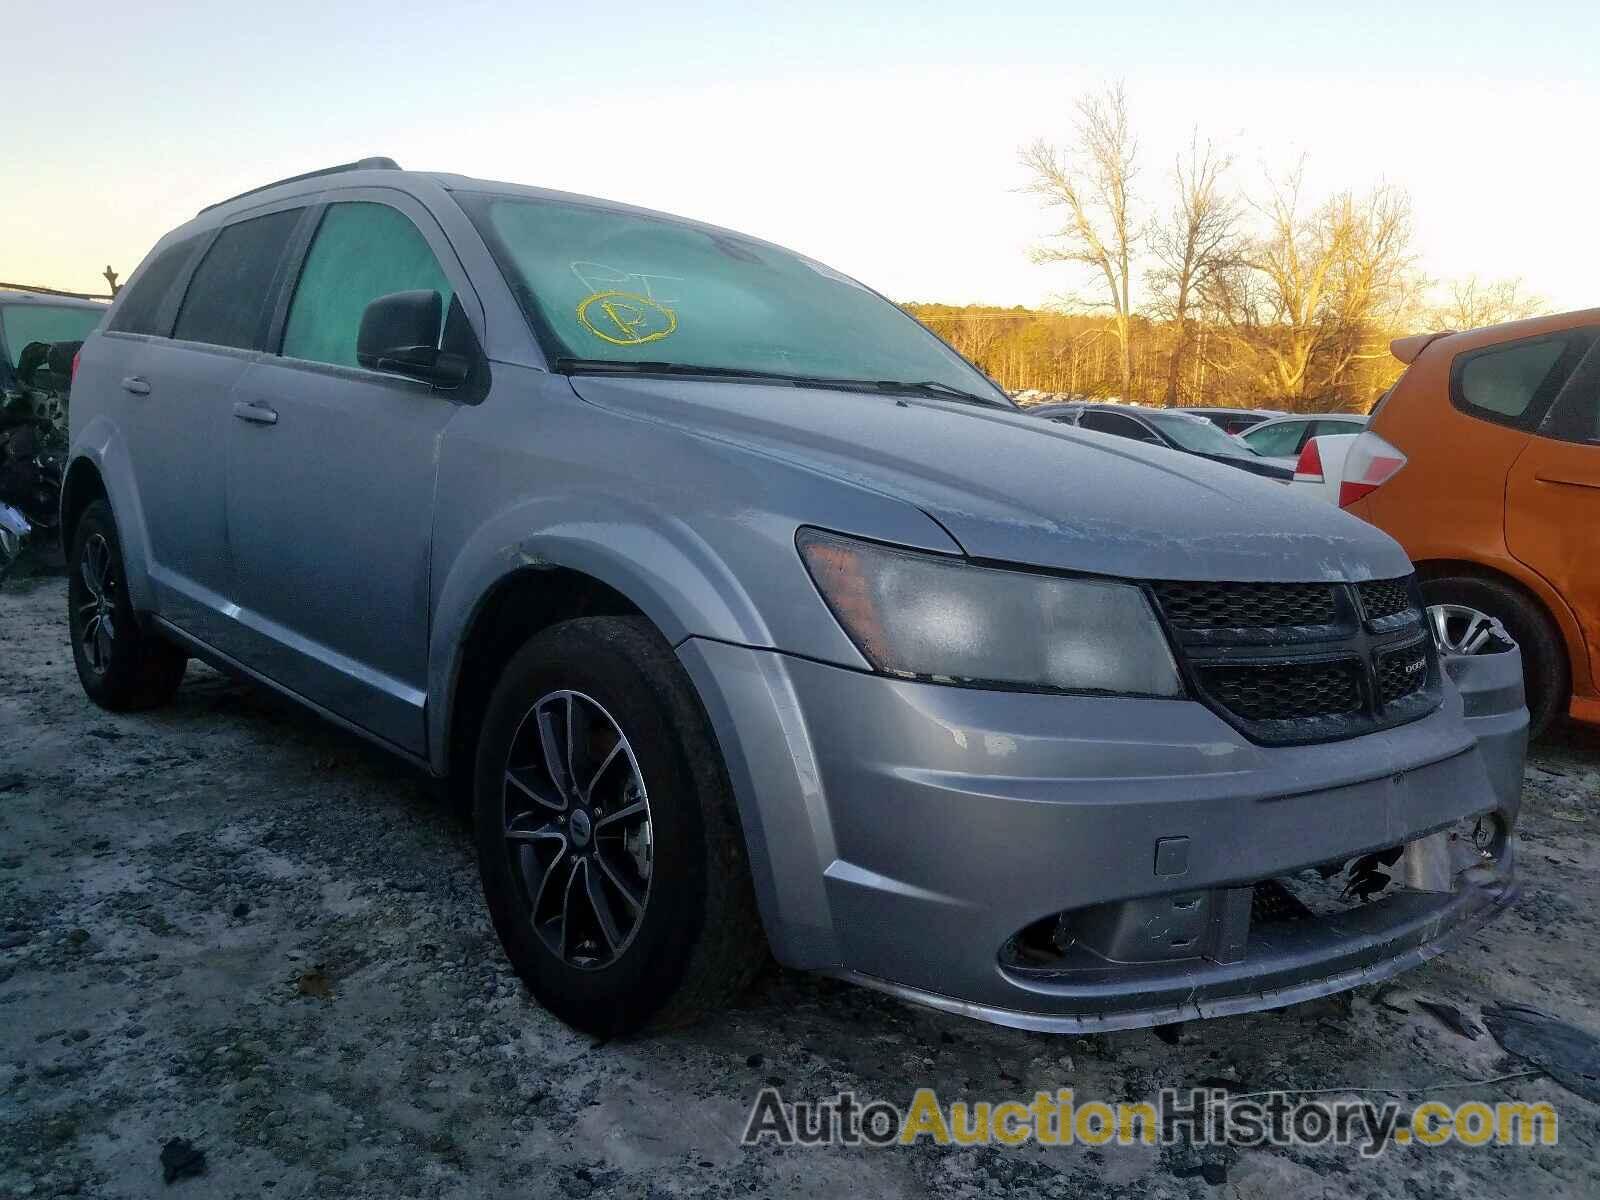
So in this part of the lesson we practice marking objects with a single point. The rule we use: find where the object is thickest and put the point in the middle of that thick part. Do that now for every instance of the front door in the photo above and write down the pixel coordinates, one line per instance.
(1553, 499)
(331, 472)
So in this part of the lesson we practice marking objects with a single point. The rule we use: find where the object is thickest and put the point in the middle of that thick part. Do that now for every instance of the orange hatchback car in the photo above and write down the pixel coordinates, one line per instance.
(1495, 493)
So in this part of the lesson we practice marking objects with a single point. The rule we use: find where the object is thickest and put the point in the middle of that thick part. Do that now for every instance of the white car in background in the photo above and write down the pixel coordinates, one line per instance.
(1283, 438)
(1343, 467)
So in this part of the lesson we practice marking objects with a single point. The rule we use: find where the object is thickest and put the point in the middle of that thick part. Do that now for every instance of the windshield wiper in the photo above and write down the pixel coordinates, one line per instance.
(603, 366)
(934, 387)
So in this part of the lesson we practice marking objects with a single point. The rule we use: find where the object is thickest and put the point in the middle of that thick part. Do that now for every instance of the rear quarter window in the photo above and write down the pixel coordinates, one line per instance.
(1514, 383)
(144, 309)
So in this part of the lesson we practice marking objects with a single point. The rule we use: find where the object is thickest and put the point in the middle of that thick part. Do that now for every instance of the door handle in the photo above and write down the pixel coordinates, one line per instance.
(259, 413)
(139, 387)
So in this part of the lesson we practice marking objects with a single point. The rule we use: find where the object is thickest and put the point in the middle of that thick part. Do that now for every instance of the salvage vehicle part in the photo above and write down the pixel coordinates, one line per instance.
(14, 531)
(746, 610)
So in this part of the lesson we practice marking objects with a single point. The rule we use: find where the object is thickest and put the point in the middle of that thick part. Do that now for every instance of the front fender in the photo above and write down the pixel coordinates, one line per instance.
(666, 569)
(100, 446)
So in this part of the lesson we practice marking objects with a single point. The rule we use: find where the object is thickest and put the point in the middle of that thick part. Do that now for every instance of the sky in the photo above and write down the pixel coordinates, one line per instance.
(880, 138)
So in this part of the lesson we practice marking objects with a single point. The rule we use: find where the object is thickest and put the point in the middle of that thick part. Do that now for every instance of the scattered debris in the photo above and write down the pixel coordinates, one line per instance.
(1381, 998)
(1569, 1055)
(1169, 1033)
(314, 983)
(181, 1159)
(1214, 1173)
(1452, 1017)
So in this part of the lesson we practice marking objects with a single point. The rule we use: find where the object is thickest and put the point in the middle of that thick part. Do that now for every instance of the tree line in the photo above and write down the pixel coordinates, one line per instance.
(1197, 292)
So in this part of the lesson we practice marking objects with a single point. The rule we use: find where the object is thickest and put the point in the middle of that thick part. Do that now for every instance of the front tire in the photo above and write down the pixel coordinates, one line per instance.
(1545, 677)
(122, 667)
(608, 841)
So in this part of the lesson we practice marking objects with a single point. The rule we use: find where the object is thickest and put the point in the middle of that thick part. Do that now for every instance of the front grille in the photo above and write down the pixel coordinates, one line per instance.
(1246, 605)
(1289, 663)
(1402, 672)
(1287, 692)
(1382, 598)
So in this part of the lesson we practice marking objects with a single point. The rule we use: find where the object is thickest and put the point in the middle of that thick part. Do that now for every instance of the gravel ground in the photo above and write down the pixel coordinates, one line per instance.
(227, 922)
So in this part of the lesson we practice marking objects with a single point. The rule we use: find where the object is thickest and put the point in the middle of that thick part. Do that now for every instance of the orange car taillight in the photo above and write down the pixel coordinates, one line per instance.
(1371, 463)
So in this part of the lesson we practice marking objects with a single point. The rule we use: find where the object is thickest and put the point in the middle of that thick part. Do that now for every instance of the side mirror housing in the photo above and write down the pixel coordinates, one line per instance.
(400, 332)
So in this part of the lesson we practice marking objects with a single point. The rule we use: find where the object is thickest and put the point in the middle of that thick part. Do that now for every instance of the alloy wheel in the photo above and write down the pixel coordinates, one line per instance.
(97, 606)
(1459, 629)
(577, 829)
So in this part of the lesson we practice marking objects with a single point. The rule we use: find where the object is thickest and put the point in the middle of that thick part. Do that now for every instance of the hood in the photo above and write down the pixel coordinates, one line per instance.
(1012, 488)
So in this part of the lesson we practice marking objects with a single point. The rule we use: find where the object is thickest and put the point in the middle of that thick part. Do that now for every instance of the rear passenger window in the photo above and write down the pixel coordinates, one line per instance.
(143, 309)
(229, 297)
(362, 251)
(1514, 384)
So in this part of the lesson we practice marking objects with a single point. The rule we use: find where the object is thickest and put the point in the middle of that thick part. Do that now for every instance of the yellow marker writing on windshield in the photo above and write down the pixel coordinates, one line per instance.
(626, 318)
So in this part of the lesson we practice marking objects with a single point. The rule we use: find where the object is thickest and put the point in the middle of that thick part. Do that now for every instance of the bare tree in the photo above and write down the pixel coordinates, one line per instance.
(1374, 282)
(1091, 180)
(1321, 286)
(1193, 245)
(1474, 303)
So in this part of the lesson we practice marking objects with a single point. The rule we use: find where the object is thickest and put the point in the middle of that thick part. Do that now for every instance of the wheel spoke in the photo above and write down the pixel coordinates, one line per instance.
(533, 793)
(551, 742)
(90, 573)
(544, 886)
(530, 826)
(566, 907)
(1476, 635)
(637, 808)
(102, 639)
(598, 901)
(635, 902)
(1441, 626)
(617, 751)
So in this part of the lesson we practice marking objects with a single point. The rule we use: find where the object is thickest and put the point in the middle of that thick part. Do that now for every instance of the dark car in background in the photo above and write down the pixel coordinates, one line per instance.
(1176, 429)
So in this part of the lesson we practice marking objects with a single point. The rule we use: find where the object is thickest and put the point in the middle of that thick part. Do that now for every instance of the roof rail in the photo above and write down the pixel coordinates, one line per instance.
(363, 164)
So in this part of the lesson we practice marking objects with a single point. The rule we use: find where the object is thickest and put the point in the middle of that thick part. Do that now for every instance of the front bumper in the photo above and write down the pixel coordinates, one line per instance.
(906, 835)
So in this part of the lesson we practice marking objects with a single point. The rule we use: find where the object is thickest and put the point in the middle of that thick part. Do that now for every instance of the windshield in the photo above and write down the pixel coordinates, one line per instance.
(1198, 435)
(618, 287)
(21, 324)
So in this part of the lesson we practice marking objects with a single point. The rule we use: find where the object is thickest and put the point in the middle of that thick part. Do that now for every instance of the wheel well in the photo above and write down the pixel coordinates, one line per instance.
(81, 488)
(1444, 568)
(519, 606)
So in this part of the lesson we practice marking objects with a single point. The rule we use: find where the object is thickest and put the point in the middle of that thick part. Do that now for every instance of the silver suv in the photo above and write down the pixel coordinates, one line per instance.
(749, 614)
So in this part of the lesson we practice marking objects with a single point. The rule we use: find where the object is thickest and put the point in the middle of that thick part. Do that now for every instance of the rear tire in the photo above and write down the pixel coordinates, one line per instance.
(1545, 675)
(122, 667)
(636, 808)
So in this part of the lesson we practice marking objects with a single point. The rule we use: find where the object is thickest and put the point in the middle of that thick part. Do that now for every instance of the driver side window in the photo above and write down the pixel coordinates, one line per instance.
(362, 251)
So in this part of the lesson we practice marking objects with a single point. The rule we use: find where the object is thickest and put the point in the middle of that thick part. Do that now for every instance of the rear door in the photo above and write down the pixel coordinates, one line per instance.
(174, 393)
(331, 471)
(1553, 499)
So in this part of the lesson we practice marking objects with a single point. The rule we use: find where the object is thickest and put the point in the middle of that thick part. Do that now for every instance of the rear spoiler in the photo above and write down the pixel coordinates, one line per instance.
(1406, 349)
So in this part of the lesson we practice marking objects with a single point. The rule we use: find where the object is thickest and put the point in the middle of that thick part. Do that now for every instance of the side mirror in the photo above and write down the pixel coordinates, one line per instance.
(399, 333)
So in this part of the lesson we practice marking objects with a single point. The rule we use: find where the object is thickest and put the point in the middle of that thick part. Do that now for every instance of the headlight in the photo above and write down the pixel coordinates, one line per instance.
(927, 617)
